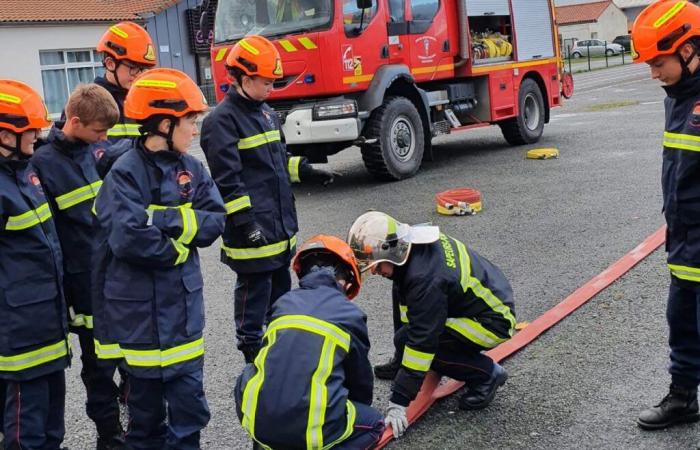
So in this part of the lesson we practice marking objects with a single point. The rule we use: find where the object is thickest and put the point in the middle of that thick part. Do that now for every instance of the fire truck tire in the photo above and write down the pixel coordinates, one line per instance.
(527, 127)
(398, 151)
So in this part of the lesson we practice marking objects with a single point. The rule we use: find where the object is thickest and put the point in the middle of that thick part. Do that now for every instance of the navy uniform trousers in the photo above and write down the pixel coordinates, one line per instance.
(683, 315)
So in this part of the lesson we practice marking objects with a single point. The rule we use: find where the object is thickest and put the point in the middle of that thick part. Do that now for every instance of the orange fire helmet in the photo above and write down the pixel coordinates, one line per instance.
(163, 91)
(334, 246)
(255, 55)
(663, 27)
(128, 41)
(21, 107)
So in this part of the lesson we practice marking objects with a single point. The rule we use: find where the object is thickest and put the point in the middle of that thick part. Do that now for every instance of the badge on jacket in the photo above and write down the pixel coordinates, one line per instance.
(694, 120)
(34, 179)
(184, 183)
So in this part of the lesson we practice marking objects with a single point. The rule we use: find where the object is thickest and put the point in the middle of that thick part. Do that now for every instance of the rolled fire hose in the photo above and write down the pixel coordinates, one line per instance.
(458, 202)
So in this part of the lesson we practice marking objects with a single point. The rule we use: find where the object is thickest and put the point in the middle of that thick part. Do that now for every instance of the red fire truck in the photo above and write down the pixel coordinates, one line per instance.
(389, 75)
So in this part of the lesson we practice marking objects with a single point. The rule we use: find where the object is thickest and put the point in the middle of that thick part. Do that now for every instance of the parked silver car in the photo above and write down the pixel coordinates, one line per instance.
(596, 47)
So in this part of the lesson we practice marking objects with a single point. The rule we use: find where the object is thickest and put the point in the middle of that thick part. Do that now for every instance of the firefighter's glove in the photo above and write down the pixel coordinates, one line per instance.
(396, 417)
(253, 235)
(310, 173)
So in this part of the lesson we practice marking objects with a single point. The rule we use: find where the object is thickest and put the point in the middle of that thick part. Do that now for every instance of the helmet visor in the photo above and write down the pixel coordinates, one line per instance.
(376, 237)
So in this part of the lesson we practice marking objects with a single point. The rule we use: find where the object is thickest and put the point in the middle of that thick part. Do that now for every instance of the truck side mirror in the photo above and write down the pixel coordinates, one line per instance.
(364, 4)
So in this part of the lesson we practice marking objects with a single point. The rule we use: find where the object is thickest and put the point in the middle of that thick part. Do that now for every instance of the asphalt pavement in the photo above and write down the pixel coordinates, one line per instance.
(551, 226)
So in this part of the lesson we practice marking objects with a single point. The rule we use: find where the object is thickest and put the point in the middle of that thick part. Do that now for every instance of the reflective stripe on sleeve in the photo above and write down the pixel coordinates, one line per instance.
(682, 141)
(79, 195)
(417, 360)
(403, 312)
(293, 168)
(28, 219)
(259, 139)
(238, 204)
(265, 251)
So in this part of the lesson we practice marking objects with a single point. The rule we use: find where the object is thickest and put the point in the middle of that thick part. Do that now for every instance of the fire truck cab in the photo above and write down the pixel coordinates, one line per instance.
(389, 75)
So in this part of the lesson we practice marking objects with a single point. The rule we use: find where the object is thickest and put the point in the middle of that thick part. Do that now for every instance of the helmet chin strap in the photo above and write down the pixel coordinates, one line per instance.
(117, 63)
(17, 149)
(169, 135)
(685, 63)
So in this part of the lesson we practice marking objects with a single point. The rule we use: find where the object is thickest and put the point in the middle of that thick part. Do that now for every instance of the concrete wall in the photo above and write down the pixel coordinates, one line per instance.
(20, 60)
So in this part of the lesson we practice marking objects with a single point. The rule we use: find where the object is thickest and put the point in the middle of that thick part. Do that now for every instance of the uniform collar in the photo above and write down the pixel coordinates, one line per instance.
(118, 93)
(160, 158)
(687, 87)
(61, 143)
(13, 165)
(319, 278)
(238, 98)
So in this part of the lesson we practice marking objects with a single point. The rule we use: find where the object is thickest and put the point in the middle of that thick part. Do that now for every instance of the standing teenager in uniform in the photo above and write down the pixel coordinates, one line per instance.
(156, 207)
(666, 35)
(66, 166)
(246, 154)
(34, 348)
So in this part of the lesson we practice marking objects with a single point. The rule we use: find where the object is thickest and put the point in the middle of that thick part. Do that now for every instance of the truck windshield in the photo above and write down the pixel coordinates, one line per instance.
(238, 18)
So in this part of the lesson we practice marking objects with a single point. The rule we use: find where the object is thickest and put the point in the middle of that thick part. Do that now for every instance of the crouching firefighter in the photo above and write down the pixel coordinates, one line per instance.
(34, 348)
(451, 303)
(243, 144)
(156, 207)
(318, 339)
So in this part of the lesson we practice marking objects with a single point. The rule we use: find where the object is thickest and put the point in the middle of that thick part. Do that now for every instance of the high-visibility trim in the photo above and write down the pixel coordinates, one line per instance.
(670, 14)
(474, 331)
(163, 84)
(403, 313)
(118, 31)
(682, 141)
(259, 139)
(431, 69)
(82, 320)
(469, 282)
(351, 416)
(220, 54)
(318, 397)
(34, 358)
(307, 43)
(10, 98)
(391, 226)
(238, 204)
(248, 46)
(685, 272)
(293, 168)
(189, 221)
(79, 195)
(107, 351)
(164, 358)
(265, 251)
(124, 129)
(252, 389)
(29, 219)
(358, 78)
(287, 45)
(182, 252)
(417, 360)
(313, 325)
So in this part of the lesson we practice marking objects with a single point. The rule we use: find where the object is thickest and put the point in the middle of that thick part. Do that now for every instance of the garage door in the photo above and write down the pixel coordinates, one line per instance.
(533, 29)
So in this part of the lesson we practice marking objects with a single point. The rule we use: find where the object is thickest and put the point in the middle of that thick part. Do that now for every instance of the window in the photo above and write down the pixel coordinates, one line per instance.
(63, 70)
(423, 12)
(352, 16)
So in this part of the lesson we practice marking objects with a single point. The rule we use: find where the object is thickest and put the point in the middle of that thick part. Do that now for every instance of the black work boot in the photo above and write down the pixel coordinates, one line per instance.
(387, 371)
(110, 436)
(481, 395)
(679, 406)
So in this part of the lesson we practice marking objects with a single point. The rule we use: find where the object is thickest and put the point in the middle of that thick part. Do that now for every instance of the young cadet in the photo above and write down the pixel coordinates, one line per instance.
(246, 154)
(311, 384)
(453, 304)
(157, 206)
(666, 35)
(34, 349)
(66, 166)
(127, 51)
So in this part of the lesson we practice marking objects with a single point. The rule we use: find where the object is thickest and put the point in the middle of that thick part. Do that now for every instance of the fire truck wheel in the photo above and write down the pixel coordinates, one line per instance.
(527, 127)
(398, 152)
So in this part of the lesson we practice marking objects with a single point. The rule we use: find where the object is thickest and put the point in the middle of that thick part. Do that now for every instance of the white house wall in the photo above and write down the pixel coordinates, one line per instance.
(21, 59)
(610, 24)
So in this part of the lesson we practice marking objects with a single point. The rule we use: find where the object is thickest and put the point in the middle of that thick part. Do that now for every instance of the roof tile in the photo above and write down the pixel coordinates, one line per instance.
(79, 10)
(581, 13)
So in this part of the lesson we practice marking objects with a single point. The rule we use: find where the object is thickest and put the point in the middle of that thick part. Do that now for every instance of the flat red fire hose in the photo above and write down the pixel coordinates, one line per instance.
(432, 390)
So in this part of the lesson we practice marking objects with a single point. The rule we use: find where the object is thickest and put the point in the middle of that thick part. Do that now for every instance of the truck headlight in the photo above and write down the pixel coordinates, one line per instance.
(339, 110)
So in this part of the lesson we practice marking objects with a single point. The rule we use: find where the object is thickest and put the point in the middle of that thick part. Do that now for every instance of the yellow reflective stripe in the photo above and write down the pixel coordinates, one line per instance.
(124, 129)
(469, 282)
(182, 252)
(313, 325)
(474, 331)
(307, 43)
(107, 351)
(82, 320)
(238, 204)
(260, 252)
(682, 141)
(391, 226)
(403, 312)
(670, 14)
(165, 84)
(189, 225)
(34, 358)
(685, 272)
(252, 388)
(220, 54)
(319, 396)
(4, 97)
(259, 139)
(351, 416)
(287, 45)
(118, 31)
(79, 195)
(164, 358)
(417, 360)
(29, 218)
(248, 46)
(293, 168)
